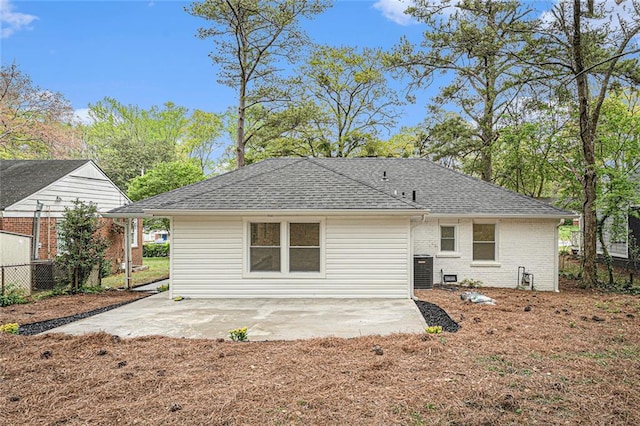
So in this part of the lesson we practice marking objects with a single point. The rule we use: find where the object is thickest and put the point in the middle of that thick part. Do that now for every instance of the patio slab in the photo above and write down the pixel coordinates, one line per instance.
(266, 319)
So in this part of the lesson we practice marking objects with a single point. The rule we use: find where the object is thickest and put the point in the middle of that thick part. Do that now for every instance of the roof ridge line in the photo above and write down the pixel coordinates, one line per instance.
(404, 200)
(228, 184)
(528, 198)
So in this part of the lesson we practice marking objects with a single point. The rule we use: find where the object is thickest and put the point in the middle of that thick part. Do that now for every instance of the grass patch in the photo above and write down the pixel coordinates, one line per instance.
(158, 269)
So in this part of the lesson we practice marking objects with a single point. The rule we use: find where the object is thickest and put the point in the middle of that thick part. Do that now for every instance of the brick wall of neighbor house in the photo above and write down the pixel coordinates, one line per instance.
(115, 252)
(49, 237)
(531, 243)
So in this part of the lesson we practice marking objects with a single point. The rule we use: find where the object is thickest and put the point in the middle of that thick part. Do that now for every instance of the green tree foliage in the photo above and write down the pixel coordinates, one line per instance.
(34, 122)
(480, 44)
(202, 138)
(342, 101)
(162, 178)
(128, 141)
(618, 163)
(531, 148)
(82, 246)
(584, 50)
(251, 38)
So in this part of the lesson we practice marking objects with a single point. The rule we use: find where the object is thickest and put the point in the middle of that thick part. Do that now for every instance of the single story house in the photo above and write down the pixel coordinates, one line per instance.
(350, 227)
(34, 194)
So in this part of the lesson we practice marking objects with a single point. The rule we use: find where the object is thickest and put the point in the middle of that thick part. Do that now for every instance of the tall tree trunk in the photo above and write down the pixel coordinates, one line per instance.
(587, 136)
(240, 130)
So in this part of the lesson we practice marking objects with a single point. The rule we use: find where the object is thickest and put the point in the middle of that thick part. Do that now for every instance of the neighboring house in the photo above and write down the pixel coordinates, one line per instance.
(625, 245)
(156, 236)
(37, 191)
(336, 227)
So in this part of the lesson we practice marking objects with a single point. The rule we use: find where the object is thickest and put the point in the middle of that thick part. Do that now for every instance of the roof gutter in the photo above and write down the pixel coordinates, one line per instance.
(125, 215)
(342, 212)
(505, 216)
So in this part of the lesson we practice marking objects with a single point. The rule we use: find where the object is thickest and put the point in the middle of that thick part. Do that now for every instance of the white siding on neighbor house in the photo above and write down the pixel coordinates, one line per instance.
(617, 245)
(365, 257)
(86, 183)
(531, 243)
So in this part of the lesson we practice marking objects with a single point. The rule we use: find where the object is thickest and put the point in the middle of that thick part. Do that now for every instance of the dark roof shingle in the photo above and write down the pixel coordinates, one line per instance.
(346, 184)
(22, 178)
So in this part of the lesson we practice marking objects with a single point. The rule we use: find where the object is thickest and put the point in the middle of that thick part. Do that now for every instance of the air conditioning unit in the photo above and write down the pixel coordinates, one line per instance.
(422, 271)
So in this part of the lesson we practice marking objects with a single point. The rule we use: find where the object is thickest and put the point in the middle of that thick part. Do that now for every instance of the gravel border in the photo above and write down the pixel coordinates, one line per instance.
(435, 315)
(42, 326)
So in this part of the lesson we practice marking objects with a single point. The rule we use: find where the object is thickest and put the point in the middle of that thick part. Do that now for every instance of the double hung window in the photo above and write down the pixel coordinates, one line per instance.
(285, 247)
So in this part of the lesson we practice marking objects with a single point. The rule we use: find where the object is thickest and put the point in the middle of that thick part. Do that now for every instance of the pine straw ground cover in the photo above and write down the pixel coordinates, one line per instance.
(534, 358)
(62, 306)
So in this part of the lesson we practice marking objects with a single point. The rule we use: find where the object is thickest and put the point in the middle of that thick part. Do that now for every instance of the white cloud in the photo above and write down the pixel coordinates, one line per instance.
(11, 21)
(394, 10)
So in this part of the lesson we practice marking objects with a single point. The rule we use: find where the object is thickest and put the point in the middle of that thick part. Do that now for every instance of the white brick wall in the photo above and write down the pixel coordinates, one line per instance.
(531, 243)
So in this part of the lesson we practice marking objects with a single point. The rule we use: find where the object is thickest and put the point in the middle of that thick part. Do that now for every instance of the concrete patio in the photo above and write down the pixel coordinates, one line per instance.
(266, 319)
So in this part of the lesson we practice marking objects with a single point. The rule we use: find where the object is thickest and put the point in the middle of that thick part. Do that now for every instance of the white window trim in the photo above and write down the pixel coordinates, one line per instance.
(496, 237)
(134, 233)
(284, 247)
(446, 253)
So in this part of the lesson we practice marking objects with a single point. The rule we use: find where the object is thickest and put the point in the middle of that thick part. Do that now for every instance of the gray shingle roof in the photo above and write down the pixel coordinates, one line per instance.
(22, 178)
(346, 184)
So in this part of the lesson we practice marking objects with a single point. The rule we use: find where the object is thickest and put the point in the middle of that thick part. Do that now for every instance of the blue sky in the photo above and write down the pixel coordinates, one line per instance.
(146, 52)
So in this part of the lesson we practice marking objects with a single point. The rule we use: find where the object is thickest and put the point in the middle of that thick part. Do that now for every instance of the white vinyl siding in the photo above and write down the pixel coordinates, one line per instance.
(616, 238)
(87, 183)
(363, 257)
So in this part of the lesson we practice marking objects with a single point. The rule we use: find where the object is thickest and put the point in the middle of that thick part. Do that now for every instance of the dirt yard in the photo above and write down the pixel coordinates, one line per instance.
(534, 358)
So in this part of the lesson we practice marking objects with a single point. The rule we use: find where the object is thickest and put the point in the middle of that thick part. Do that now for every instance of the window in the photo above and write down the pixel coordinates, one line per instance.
(447, 238)
(264, 249)
(284, 247)
(304, 247)
(484, 241)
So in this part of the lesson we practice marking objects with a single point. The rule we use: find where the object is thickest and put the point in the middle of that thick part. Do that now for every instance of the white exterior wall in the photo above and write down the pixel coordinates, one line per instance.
(531, 243)
(364, 257)
(86, 183)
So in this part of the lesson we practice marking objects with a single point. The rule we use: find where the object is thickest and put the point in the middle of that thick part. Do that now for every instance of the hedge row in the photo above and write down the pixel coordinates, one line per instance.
(155, 250)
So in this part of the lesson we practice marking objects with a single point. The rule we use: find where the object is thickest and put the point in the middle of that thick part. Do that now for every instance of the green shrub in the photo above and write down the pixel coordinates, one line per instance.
(238, 334)
(155, 250)
(163, 287)
(106, 266)
(12, 296)
(471, 283)
(91, 289)
(11, 328)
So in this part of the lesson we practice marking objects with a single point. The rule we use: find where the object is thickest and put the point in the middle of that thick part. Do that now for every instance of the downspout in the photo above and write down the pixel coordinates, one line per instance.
(411, 253)
(35, 255)
(556, 271)
(49, 232)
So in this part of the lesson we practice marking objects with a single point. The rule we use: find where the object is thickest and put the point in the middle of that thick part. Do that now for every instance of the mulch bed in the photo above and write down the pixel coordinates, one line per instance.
(42, 326)
(56, 307)
(435, 315)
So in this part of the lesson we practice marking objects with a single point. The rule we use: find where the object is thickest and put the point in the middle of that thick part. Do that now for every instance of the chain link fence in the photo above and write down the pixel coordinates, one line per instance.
(37, 276)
